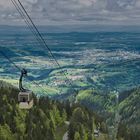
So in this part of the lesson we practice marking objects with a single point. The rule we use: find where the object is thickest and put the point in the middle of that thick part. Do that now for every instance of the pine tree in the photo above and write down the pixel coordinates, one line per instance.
(77, 136)
(5, 133)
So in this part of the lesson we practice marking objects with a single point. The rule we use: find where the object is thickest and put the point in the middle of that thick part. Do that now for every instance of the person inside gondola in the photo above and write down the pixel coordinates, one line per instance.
(24, 100)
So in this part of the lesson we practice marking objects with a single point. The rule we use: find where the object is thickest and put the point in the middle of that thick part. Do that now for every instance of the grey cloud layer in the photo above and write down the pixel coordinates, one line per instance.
(77, 11)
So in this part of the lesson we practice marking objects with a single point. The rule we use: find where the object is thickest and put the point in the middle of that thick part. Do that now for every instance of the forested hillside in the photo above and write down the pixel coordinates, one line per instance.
(50, 119)
(129, 127)
(46, 120)
(127, 110)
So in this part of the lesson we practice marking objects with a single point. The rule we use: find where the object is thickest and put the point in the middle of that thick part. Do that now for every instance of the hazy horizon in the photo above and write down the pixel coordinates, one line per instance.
(72, 28)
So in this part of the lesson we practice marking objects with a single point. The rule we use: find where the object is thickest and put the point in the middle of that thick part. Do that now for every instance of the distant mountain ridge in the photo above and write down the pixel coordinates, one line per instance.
(75, 28)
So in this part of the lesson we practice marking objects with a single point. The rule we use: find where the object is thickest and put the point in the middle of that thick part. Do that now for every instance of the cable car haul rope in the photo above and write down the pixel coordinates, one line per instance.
(25, 96)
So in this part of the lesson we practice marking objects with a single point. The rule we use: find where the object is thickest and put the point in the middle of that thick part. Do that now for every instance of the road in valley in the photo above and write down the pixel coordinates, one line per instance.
(65, 137)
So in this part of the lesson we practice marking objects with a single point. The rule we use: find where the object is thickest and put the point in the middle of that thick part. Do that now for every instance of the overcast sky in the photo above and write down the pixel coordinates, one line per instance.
(59, 12)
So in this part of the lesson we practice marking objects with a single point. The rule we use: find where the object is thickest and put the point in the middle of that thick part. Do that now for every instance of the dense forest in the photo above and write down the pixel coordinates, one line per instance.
(50, 119)
(129, 109)
(47, 119)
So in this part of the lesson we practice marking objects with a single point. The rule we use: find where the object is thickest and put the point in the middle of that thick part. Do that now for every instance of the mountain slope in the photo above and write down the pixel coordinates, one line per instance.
(45, 119)
(129, 127)
(127, 123)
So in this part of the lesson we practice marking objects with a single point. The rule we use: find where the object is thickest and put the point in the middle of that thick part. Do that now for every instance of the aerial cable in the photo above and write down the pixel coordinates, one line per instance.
(38, 36)
(19, 68)
(22, 15)
(25, 19)
(27, 22)
(10, 61)
(43, 40)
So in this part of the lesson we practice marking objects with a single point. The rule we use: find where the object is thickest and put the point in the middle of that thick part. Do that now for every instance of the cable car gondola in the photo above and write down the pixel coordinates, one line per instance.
(25, 97)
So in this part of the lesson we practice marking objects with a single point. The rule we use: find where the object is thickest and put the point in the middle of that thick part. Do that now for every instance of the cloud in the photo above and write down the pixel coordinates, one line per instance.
(76, 11)
(31, 1)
